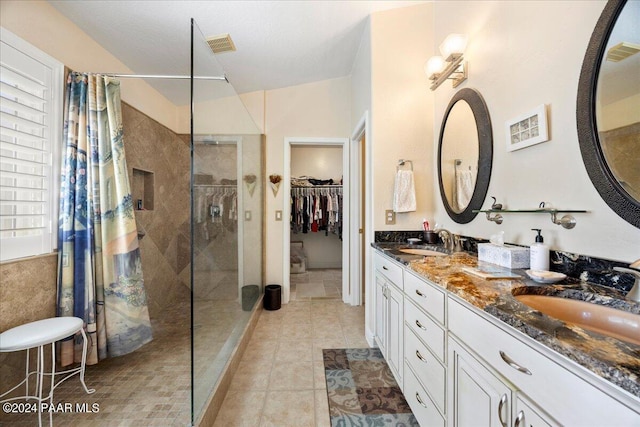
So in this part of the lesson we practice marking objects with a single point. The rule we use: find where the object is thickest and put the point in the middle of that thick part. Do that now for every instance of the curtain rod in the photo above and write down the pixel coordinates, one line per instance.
(157, 76)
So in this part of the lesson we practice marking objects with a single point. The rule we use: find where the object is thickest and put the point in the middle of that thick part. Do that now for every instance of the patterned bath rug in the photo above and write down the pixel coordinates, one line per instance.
(362, 390)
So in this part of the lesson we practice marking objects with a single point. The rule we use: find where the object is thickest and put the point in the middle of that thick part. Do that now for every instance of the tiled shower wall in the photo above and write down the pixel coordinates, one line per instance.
(165, 247)
(28, 287)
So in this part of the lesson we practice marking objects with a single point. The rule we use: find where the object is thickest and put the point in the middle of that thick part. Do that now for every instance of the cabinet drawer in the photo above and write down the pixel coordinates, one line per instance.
(389, 268)
(426, 367)
(426, 329)
(426, 296)
(421, 404)
(571, 400)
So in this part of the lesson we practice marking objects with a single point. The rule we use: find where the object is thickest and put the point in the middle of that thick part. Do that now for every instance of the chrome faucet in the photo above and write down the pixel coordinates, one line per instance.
(634, 293)
(448, 241)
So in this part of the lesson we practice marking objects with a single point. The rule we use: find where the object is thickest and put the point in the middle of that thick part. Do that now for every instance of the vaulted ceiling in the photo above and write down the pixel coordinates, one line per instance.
(279, 43)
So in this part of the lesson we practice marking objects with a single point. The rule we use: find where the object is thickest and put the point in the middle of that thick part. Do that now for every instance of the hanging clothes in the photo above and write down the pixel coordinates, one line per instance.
(316, 209)
(216, 208)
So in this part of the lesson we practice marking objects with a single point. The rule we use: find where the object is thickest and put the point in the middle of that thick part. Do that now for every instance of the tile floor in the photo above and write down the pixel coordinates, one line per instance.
(319, 283)
(149, 387)
(280, 381)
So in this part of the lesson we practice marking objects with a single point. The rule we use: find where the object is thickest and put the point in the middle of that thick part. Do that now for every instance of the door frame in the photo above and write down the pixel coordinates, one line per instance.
(286, 213)
(363, 129)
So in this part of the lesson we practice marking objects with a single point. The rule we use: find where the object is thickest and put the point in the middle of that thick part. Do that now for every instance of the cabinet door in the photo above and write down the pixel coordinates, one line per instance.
(527, 414)
(381, 313)
(395, 341)
(477, 397)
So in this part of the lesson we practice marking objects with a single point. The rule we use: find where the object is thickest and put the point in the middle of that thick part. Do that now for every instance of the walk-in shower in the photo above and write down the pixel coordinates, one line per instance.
(196, 169)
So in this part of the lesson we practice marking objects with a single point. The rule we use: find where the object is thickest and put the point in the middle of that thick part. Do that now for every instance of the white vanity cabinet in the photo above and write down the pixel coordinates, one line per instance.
(480, 396)
(570, 395)
(460, 366)
(477, 396)
(425, 340)
(389, 312)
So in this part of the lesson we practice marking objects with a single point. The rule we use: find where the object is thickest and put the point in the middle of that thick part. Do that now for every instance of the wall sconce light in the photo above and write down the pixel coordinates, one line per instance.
(451, 64)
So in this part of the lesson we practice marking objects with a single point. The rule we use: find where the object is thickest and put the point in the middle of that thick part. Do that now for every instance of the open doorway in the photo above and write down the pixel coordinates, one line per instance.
(316, 240)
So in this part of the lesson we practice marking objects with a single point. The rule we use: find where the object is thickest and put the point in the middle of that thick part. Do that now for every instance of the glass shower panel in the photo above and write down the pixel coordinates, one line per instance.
(227, 197)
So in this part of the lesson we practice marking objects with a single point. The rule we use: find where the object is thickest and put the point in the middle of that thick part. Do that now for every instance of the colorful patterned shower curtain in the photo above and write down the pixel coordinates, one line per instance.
(99, 269)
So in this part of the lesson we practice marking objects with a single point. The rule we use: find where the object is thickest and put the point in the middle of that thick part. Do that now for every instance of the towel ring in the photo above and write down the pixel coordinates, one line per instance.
(401, 162)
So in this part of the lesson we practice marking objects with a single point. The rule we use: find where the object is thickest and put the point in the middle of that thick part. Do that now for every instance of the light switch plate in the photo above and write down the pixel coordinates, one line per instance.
(247, 215)
(389, 217)
(278, 215)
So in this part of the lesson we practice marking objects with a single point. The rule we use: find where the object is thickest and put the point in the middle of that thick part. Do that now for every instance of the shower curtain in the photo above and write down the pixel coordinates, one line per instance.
(99, 269)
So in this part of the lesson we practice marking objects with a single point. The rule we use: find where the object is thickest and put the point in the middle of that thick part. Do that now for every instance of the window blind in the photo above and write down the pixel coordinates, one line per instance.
(27, 189)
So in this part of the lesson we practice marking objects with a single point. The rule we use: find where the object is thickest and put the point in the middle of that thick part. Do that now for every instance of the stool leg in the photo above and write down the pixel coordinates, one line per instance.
(83, 362)
(40, 381)
(27, 376)
(53, 376)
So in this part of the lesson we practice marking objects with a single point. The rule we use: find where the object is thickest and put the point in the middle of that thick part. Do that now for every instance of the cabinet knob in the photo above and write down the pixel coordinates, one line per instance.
(384, 267)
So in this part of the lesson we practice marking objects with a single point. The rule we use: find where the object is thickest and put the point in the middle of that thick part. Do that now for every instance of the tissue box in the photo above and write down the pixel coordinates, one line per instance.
(506, 255)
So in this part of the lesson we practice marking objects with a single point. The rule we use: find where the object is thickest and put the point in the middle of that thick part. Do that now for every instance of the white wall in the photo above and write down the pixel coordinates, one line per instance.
(402, 110)
(361, 78)
(320, 109)
(243, 114)
(523, 54)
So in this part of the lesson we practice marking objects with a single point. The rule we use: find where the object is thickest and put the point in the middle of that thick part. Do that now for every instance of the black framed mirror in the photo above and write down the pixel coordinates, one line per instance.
(465, 155)
(609, 140)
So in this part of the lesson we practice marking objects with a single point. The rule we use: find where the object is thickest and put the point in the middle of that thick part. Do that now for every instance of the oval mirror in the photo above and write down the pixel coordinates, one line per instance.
(608, 108)
(465, 153)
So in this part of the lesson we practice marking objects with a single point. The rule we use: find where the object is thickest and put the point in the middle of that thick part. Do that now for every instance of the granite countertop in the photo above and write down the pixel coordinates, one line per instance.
(612, 359)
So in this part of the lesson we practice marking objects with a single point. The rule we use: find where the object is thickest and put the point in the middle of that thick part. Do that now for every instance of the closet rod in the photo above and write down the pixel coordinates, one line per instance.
(159, 76)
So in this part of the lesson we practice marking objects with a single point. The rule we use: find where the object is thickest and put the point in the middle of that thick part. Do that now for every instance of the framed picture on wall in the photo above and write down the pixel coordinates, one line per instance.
(528, 129)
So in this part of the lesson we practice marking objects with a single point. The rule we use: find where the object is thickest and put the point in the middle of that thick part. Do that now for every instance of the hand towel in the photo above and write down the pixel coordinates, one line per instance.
(463, 188)
(404, 194)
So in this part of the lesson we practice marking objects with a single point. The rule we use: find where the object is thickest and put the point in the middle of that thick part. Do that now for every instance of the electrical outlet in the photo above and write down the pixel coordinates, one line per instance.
(389, 217)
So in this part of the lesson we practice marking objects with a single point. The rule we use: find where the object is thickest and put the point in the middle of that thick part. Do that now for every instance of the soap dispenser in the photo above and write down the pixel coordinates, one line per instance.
(539, 253)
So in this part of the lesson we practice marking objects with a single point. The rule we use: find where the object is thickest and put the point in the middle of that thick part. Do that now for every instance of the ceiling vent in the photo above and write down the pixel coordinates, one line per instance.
(622, 51)
(221, 43)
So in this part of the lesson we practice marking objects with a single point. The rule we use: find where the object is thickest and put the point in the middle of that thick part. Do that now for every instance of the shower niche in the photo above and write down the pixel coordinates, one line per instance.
(142, 189)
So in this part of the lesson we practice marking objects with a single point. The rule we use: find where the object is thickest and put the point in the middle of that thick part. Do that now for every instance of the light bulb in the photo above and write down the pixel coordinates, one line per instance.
(434, 65)
(453, 44)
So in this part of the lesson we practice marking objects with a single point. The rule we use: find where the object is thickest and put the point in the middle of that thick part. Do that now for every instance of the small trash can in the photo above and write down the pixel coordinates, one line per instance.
(272, 297)
(250, 294)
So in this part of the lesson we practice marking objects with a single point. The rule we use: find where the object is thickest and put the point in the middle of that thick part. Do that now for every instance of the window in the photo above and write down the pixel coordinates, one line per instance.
(30, 131)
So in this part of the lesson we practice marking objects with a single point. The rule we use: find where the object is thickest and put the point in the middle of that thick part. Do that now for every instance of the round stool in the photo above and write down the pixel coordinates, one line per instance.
(37, 335)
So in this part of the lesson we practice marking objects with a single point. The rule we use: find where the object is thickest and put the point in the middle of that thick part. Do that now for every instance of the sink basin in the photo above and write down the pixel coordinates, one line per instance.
(423, 252)
(604, 320)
